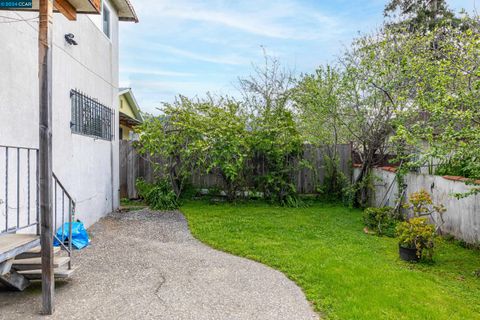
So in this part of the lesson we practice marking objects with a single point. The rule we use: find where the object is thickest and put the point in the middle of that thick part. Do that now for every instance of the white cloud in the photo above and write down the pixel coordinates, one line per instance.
(274, 19)
(231, 59)
(154, 72)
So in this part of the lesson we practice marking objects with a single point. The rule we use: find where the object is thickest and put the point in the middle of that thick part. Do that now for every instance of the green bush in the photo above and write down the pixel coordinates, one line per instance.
(158, 196)
(293, 201)
(465, 167)
(380, 220)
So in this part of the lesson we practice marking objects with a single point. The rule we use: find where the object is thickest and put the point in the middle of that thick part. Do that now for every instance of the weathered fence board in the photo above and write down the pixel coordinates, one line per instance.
(134, 166)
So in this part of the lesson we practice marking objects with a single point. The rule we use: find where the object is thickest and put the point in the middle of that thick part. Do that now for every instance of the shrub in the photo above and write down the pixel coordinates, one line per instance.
(293, 201)
(158, 196)
(421, 205)
(417, 233)
(380, 220)
(143, 188)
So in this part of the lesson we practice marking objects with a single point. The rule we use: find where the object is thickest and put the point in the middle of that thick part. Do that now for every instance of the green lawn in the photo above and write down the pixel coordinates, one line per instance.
(345, 273)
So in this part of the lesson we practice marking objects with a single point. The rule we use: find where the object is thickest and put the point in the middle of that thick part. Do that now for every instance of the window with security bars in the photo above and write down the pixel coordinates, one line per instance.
(91, 118)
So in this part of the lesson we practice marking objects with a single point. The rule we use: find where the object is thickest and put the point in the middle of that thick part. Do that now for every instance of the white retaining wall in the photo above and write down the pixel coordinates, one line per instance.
(462, 218)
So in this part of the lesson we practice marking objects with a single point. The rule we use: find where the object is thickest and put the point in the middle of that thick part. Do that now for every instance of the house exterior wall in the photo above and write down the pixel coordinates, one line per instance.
(462, 218)
(126, 108)
(87, 167)
(126, 132)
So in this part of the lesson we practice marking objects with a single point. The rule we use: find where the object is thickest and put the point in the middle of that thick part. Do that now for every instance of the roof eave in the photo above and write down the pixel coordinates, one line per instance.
(126, 11)
(134, 104)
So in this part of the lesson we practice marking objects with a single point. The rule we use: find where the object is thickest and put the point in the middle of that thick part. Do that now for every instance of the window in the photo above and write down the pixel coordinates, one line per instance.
(91, 118)
(121, 133)
(106, 21)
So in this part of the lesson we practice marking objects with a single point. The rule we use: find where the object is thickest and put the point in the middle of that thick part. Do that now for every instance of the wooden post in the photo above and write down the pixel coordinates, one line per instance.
(45, 152)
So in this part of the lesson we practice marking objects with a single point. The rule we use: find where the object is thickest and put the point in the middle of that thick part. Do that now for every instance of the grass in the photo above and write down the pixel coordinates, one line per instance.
(345, 273)
(132, 205)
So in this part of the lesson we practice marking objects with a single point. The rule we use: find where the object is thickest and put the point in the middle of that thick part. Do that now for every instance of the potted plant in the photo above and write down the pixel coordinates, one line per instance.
(417, 234)
(416, 239)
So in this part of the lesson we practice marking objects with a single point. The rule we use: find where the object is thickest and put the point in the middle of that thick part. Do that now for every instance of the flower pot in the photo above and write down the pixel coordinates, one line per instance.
(408, 254)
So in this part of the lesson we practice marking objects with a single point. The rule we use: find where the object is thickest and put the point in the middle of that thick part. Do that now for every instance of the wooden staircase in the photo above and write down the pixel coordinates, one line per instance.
(21, 229)
(17, 273)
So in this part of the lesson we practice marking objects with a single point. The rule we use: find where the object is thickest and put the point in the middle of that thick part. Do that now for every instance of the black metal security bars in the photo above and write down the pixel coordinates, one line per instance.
(19, 206)
(91, 118)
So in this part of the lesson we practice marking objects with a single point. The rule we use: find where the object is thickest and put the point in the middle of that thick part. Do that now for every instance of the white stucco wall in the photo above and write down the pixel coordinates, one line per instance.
(87, 167)
(462, 218)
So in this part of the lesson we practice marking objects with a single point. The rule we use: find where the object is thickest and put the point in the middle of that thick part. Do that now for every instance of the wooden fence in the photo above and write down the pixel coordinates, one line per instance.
(134, 166)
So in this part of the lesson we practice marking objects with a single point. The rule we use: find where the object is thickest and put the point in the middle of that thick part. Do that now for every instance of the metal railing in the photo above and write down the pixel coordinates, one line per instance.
(63, 203)
(19, 195)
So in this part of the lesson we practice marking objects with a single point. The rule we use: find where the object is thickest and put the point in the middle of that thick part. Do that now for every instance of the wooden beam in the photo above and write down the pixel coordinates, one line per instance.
(66, 8)
(96, 4)
(5, 266)
(45, 152)
(14, 281)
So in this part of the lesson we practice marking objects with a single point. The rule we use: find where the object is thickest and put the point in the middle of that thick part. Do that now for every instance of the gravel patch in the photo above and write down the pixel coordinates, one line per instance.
(147, 265)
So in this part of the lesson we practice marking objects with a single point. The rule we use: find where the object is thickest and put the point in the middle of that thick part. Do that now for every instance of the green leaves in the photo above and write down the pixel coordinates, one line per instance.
(443, 114)
(219, 136)
(417, 233)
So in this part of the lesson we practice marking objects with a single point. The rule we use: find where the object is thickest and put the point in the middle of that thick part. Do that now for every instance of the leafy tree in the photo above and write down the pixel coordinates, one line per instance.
(317, 104)
(227, 147)
(418, 15)
(275, 140)
(375, 87)
(443, 121)
(174, 139)
(199, 136)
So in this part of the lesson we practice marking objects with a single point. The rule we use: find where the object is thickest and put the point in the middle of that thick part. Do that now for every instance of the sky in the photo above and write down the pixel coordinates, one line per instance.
(192, 47)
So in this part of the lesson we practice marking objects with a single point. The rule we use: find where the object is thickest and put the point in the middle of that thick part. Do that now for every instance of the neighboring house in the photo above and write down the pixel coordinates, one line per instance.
(85, 112)
(129, 114)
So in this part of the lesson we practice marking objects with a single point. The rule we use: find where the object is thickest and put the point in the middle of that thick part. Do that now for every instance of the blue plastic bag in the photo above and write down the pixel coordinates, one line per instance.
(79, 235)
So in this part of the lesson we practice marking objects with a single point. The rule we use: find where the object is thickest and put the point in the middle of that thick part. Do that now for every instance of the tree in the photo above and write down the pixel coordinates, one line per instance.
(227, 142)
(175, 140)
(418, 15)
(198, 136)
(444, 117)
(317, 105)
(375, 87)
(275, 140)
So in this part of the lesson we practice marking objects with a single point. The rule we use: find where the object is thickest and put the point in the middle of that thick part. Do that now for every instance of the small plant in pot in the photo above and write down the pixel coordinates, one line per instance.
(416, 239)
(417, 234)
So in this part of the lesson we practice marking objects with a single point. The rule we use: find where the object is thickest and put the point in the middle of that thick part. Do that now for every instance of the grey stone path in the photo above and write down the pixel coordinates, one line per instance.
(147, 265)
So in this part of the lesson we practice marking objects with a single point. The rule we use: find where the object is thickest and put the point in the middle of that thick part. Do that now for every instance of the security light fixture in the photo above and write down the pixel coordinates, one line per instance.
(69, 38)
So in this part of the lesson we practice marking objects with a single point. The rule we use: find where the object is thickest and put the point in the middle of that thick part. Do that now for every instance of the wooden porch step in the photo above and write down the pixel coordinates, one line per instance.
(11, 245)
(35, 253)
(37, 274)
(36, 263)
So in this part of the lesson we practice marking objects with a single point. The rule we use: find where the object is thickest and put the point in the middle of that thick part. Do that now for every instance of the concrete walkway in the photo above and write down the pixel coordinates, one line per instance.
(146, 265)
